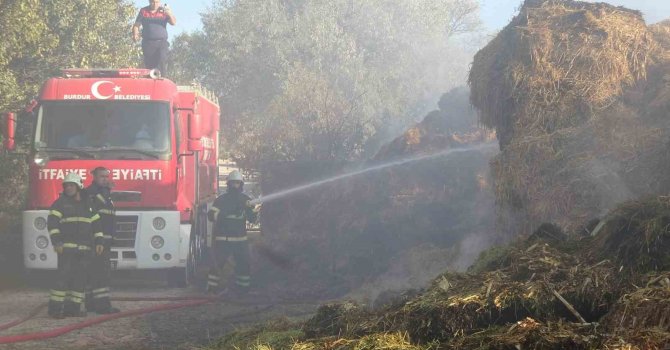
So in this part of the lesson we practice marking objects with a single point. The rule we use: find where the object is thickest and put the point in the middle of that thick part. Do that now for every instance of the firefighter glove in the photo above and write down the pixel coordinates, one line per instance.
(58, 249)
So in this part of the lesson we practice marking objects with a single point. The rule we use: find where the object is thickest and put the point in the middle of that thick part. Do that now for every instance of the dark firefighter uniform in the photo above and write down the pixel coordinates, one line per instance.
(101, 202)
(75, 227)
(230, 213)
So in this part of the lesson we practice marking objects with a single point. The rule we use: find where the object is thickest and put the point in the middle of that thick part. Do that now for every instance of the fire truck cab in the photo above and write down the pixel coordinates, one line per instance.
(160, 142)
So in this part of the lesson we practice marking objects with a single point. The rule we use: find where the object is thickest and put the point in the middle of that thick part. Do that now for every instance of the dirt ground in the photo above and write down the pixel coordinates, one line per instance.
(189, 328)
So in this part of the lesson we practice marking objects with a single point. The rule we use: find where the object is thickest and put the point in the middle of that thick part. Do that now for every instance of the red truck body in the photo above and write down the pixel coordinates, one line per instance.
(160, 142)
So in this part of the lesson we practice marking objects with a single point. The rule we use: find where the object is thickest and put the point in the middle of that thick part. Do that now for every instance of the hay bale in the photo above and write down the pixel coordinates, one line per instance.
(555, 63)
(344, 319)
(530, 334)
(637, 235)
(380, 341)
(565, 86)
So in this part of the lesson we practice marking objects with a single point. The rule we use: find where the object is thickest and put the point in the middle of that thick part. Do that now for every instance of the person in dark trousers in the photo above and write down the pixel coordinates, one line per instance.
(153, 20)
(99, 195)
(230, 213)
(75, 232)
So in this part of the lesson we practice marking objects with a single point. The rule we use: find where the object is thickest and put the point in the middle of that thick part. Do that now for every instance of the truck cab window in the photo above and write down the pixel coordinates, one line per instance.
(104, 126)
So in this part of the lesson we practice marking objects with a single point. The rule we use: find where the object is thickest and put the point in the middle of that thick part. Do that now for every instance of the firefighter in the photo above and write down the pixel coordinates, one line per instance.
(230, 213)
(154, 19)
(74, 230)
(99, 196)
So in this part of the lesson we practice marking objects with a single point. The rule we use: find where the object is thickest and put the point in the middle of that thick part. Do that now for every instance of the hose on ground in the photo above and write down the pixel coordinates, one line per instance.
(184, 302)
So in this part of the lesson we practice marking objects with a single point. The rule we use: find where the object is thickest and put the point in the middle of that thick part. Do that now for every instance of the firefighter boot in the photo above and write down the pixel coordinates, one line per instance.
(89, 305)
(73, 304)
(56, 300)
(56, 309)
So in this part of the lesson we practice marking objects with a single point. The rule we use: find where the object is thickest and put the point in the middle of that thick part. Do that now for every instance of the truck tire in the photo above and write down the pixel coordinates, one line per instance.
(196, 251)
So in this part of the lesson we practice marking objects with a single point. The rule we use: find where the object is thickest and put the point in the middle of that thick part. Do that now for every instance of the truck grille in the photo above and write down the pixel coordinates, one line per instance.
(126, 230)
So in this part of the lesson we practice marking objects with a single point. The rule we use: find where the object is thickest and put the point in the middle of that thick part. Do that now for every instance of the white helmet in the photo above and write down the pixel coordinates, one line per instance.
(74, 178)
(235, 175)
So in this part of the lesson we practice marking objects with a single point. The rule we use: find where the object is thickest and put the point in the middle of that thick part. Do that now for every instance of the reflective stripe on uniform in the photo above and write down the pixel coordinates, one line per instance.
(99, 235)
(54, 231)
(79, 219)
(76, 246)
(56, 213)
(106, 211)
(243, 280)
(243, 284)
(235, 217)
(101, 198)
(100, 290)
(232, 239)
(57, 298)
(213, 277)
(58, 293)
(77, 297)
(101, 295)
(95, 217)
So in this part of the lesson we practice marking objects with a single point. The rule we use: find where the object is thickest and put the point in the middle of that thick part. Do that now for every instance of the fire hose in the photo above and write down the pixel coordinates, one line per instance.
(182, 302)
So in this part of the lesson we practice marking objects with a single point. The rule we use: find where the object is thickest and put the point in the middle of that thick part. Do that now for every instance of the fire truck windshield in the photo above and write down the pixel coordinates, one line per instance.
(107, 129)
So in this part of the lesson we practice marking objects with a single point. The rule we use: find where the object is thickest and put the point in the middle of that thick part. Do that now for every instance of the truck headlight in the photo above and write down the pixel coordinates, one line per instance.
(40, 223)
(159, 223)
(42, 242)
(157, 242)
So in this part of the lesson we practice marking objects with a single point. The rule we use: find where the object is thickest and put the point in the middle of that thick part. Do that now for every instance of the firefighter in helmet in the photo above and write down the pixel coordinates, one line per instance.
(76, 235)
(100, 198)
(230, 213)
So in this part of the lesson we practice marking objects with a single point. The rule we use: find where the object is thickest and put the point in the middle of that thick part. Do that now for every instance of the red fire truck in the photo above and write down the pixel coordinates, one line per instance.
(160, 142)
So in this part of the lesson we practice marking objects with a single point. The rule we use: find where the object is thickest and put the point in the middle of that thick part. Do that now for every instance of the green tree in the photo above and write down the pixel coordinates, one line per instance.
(317, 80)
(40, 37)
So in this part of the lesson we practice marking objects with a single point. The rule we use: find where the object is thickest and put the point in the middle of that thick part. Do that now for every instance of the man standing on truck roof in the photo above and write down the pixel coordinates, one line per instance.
(230, 213)
(74, 229)
(99, 195)
(154, 19)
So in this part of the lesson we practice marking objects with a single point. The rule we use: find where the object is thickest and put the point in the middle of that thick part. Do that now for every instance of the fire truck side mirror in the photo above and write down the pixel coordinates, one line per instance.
(10, 132)
(195, 126)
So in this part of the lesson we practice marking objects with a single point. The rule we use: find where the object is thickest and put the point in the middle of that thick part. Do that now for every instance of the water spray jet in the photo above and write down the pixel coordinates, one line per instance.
(305, 187)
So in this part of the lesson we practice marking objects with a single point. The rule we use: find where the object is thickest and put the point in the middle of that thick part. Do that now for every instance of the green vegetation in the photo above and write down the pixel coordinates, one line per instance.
(323, 80)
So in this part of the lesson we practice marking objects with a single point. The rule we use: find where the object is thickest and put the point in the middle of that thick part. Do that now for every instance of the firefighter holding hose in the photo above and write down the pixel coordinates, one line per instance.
(230, 213)
(100, 198)
(76, 235)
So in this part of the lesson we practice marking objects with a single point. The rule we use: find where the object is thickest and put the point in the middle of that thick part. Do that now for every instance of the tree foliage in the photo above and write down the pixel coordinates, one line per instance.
(40, 37)
(321, 79)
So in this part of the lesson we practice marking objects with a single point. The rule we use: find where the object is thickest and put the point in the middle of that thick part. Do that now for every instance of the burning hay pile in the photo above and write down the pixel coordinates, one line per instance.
(541, 293)
(566, 87)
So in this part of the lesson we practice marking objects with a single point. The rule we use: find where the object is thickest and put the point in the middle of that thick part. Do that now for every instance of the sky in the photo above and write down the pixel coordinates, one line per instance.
(495, 13)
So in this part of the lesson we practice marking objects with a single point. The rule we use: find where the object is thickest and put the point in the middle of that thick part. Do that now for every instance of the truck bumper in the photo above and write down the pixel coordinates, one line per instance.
(132, 247)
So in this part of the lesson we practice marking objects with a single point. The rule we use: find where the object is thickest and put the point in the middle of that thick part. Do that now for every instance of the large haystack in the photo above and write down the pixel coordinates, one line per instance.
(556, 63)
(578, 95)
